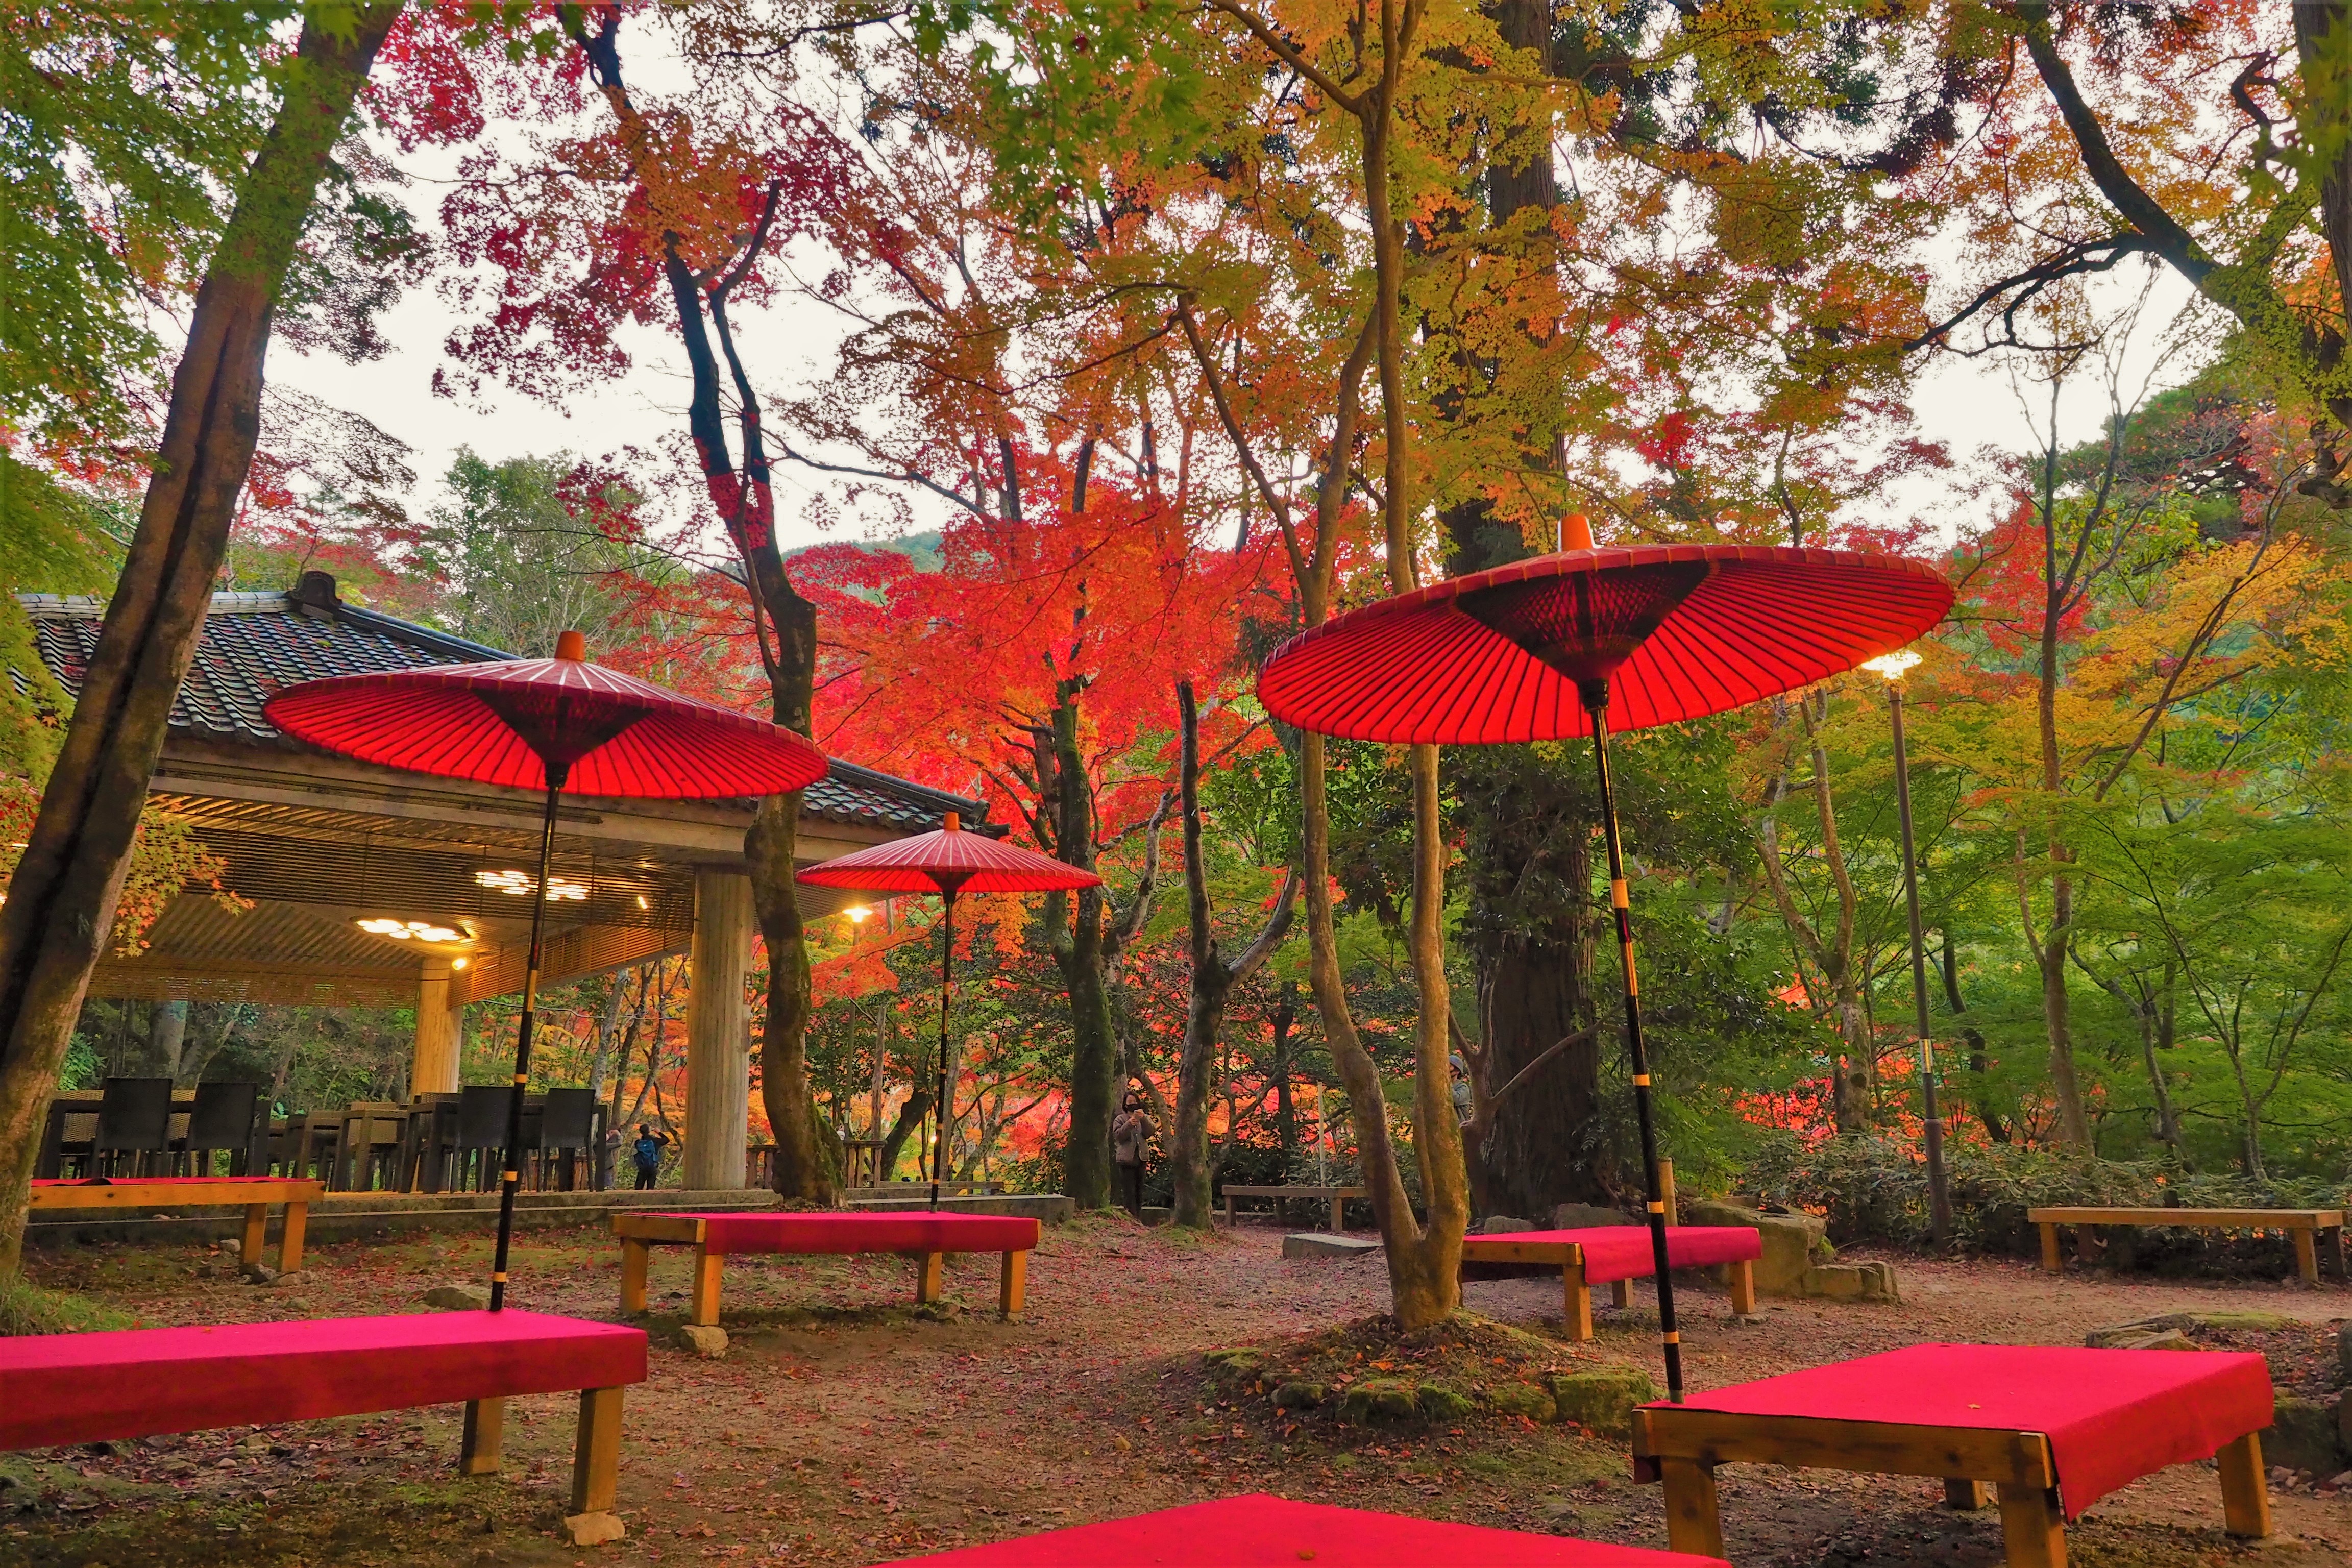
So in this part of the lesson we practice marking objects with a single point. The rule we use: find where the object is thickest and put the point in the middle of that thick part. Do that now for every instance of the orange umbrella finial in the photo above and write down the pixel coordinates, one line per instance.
(952, 822)
(572, 646)
(1575, 531)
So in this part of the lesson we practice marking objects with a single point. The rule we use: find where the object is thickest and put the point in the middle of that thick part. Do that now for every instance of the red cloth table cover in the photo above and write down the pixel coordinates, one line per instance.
(137, 1383)
(915, 1232)
(1262, 1531)
(2111, 1416)
(1623, 1251)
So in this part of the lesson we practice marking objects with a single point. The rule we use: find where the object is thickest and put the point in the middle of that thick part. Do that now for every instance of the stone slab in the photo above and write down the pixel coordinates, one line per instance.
(1323, 1244)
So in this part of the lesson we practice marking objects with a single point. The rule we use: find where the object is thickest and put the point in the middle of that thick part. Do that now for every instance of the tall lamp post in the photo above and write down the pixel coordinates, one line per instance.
(1893, 666)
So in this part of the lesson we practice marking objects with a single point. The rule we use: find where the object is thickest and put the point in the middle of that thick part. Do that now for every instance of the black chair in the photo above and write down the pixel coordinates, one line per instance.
(221, 1118)
(134, 1118)
(482, 1112)
(567, 1127)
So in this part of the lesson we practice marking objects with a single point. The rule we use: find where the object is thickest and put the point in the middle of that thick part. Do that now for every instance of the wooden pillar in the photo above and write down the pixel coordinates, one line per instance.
(433, 1069)
(718, 1033)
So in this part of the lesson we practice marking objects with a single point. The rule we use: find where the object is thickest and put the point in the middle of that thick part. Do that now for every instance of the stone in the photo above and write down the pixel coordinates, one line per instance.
(2304, 1435)
(288, 1282)
(1588, 1216)
(232, 1247)
(1523, 1399)
(2344, 1350)
(1852, 1283)
(1380, 1399)
(2169, 1340)
(458, 1298)
(2344, 1422)
(1793, 1243)
(1238, 1365)
(1438, 1402)
(1297, 1395)
(1502, 1225)
(1602, 1399)
(258, 1273)
(593, 1529)
(1322, 1244)
(706, 1340)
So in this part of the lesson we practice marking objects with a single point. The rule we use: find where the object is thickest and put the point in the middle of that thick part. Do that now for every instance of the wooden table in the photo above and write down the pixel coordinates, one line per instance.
(1618, 1255)
(2305, 1225)
(2054, 1429)
(1338, 1196)
(149, 1193)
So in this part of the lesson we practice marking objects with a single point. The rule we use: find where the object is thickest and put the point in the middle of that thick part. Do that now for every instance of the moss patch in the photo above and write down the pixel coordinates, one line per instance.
(29, 1309)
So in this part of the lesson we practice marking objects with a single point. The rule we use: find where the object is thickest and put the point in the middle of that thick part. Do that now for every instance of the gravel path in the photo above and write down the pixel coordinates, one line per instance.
(844, 1429)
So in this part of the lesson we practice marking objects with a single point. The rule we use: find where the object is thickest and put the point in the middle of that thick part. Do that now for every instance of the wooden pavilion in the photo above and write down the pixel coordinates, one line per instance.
(368, 885)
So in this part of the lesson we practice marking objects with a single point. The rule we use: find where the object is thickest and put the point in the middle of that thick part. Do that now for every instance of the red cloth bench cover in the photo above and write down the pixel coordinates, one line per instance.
(172, 1180)
(1262, 1531)
(2111, 1416)
(916, 1232)
(1623, 1251)
(138, 1383)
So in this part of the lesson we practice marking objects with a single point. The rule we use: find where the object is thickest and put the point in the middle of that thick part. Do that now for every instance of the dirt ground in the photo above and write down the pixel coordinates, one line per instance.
(844, 1428)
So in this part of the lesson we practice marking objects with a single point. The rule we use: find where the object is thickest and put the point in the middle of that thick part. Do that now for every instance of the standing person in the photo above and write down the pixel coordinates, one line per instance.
(1130, 1140)
(647, 1152)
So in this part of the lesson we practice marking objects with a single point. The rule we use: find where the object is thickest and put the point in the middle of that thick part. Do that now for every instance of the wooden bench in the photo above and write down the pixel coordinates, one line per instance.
(2305, 1225)
(2054, 1429)
(926, 1236)
(142, 1382)
(1338, 1197)
(1257, 1531)
(1616, 1255)
(148, 1194)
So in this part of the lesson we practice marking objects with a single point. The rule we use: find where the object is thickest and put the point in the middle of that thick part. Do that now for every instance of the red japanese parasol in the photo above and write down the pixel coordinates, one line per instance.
(948, 862)
(549, 724)
(1538, 649)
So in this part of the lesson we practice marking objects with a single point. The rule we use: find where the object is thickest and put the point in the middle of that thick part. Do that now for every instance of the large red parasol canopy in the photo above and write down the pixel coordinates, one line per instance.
(949, 861)
(513, 721)
(1677, 630)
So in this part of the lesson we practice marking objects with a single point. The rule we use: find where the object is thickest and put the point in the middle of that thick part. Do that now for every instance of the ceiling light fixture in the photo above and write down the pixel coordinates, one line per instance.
(523, 884)
(410, 931)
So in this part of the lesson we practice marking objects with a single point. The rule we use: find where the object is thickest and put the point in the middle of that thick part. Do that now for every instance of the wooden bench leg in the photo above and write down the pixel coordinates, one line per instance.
(1012, 1286)
(1339, 1215)
(1965, 1495)
(1743, 1287)
(1576, 1306)
(637, 1259)
(485, 1423)
(930, 1277)
(596, 1469)
(2032, 1528)
(1693, 1522)
(2245, 1497)
(705, 1286)
(256, 1233)
(289, 1240)
(2051, 1262)
(1620, 1294)
(1229, 1211)
(2306, 1255)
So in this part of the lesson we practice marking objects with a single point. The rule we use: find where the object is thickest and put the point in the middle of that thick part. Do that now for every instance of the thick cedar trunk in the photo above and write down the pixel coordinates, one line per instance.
(62, 900)
(805, 1166)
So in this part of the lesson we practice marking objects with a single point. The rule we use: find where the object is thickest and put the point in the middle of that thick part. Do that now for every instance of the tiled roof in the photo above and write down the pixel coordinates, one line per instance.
(256, 644)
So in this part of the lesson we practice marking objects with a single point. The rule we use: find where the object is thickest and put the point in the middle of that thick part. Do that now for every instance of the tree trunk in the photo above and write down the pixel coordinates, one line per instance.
(62, 900)
(167, 1032)
(1278, 1067)
(1205, 1011)
(1078, 950)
